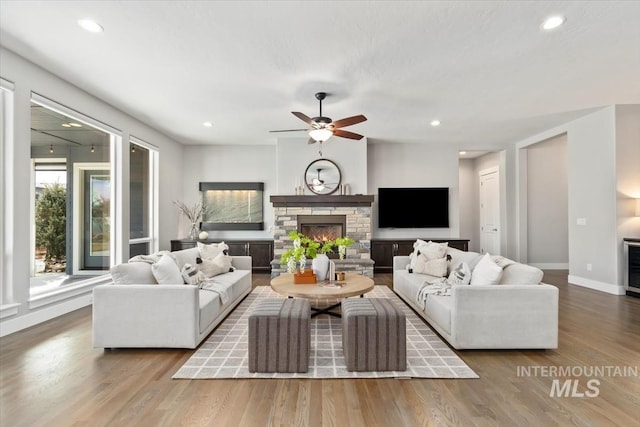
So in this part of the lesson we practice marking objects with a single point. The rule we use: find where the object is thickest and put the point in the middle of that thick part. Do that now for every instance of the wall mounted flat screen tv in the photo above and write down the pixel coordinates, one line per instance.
(413, 207)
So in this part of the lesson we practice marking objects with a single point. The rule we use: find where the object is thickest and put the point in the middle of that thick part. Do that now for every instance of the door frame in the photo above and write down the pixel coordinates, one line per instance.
(78, 220)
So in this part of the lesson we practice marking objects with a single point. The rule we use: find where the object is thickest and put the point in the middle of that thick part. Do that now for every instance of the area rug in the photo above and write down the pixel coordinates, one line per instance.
(224, 353)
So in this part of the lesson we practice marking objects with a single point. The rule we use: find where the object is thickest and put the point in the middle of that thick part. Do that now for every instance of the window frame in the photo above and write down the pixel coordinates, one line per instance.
(154, 194)
(7, 111)
(115, 161)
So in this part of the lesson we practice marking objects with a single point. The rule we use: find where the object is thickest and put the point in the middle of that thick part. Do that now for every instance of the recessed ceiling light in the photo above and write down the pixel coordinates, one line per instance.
(553, 22)
(90, 25)
(462, 153)
(435, 123)
(75, 125)
(65, 125)
(207, 124)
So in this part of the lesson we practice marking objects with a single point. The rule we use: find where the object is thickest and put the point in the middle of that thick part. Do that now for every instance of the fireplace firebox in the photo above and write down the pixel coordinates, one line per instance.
(322, 227)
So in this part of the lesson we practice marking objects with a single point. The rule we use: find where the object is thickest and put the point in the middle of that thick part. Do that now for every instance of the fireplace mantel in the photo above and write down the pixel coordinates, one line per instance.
(334, 201)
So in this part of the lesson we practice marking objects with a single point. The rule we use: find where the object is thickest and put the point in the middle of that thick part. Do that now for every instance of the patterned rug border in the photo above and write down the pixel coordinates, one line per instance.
(223, 355)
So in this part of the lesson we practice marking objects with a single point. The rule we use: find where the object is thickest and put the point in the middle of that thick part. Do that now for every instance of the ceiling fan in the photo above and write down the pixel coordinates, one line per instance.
(322, 128)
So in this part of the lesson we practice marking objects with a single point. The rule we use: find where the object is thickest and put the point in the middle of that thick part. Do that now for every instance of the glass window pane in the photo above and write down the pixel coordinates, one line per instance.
(139, 192)
(71, 199)
(138, 249)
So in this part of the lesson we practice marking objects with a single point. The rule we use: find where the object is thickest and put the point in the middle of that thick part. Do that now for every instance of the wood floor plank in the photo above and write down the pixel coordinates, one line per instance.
(51, 376)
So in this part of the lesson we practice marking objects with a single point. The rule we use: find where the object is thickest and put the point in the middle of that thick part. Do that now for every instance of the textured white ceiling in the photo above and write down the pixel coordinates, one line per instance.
(484, 68)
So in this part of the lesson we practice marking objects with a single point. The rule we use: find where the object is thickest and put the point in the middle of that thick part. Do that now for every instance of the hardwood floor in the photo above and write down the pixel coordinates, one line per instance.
(51, 376)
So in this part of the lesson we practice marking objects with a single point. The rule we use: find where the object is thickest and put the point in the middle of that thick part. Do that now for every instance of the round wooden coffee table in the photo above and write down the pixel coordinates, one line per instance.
(352, 285)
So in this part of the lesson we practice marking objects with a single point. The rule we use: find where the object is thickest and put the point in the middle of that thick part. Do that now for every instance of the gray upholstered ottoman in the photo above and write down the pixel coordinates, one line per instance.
(374, 336)
(280, 336)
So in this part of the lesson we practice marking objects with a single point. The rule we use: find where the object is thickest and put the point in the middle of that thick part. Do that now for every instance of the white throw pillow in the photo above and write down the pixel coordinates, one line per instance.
(461, 275)
(218, 265)
(431, 249)
(487, 272)
(212, 250)
(166, 271)
(134, 273)
(436, 267)
(191, 275)
(185, 256)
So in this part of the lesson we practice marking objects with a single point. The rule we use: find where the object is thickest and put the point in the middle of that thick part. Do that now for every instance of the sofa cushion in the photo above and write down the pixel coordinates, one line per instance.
(210, 302)
(457, 257)
(487, 272)
(218, 265)
(166, 271)
(185, 256)
(438, 308)
(211, 250)
(521, 274)
(134, 273)
(210, 307)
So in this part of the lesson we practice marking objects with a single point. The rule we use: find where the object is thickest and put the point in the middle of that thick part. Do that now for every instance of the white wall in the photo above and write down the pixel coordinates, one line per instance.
(28, 77)
(601, 147)
(547, 204)
(592, 197)
(415, 165)
(294, 155)
(229, 163)
(469, 203)
(364, 167)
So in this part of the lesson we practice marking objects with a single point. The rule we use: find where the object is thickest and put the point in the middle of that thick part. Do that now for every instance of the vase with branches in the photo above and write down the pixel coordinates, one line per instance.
(193, 213)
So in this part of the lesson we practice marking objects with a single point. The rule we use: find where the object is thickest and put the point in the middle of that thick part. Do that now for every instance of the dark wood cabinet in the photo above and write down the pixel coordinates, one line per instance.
(260, 251)
(383, 250)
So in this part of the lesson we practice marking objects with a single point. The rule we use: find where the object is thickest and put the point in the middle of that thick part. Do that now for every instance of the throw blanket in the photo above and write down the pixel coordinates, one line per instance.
(439, 287)
(212, 286)
(149, 259)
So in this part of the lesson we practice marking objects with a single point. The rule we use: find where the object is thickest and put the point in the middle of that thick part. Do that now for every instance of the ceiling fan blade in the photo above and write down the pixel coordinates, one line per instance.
(349, 121)
(302, 117)
(289, 130)
(346, 134)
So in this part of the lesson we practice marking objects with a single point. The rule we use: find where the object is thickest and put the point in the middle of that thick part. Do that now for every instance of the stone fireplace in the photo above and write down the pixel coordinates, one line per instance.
(325, 215)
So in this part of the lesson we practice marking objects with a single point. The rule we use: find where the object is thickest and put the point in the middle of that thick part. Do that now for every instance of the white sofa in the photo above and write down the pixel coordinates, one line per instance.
(170, 315)
(519, 312)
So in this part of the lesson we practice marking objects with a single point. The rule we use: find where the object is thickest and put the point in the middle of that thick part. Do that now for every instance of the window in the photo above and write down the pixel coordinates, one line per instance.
(73, 187)
(143, 161)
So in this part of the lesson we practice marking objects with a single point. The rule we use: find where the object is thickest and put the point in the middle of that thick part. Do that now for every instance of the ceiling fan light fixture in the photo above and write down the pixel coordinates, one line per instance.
(320, 135)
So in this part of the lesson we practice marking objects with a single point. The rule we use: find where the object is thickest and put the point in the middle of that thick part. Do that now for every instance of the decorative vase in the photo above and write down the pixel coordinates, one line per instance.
(193, 234)
(320, 266)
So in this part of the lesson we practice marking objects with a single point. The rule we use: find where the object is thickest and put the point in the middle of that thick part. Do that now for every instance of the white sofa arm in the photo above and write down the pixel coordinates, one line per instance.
(400, 262)
(145, 316)
(242, 262)
(516, 316)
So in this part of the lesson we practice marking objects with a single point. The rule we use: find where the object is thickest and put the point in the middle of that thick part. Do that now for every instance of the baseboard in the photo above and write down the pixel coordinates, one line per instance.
(598, 286)
(551, 265)
(16, 324)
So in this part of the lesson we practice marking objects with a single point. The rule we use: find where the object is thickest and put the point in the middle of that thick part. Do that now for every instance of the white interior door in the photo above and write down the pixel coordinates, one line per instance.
(490, 211)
